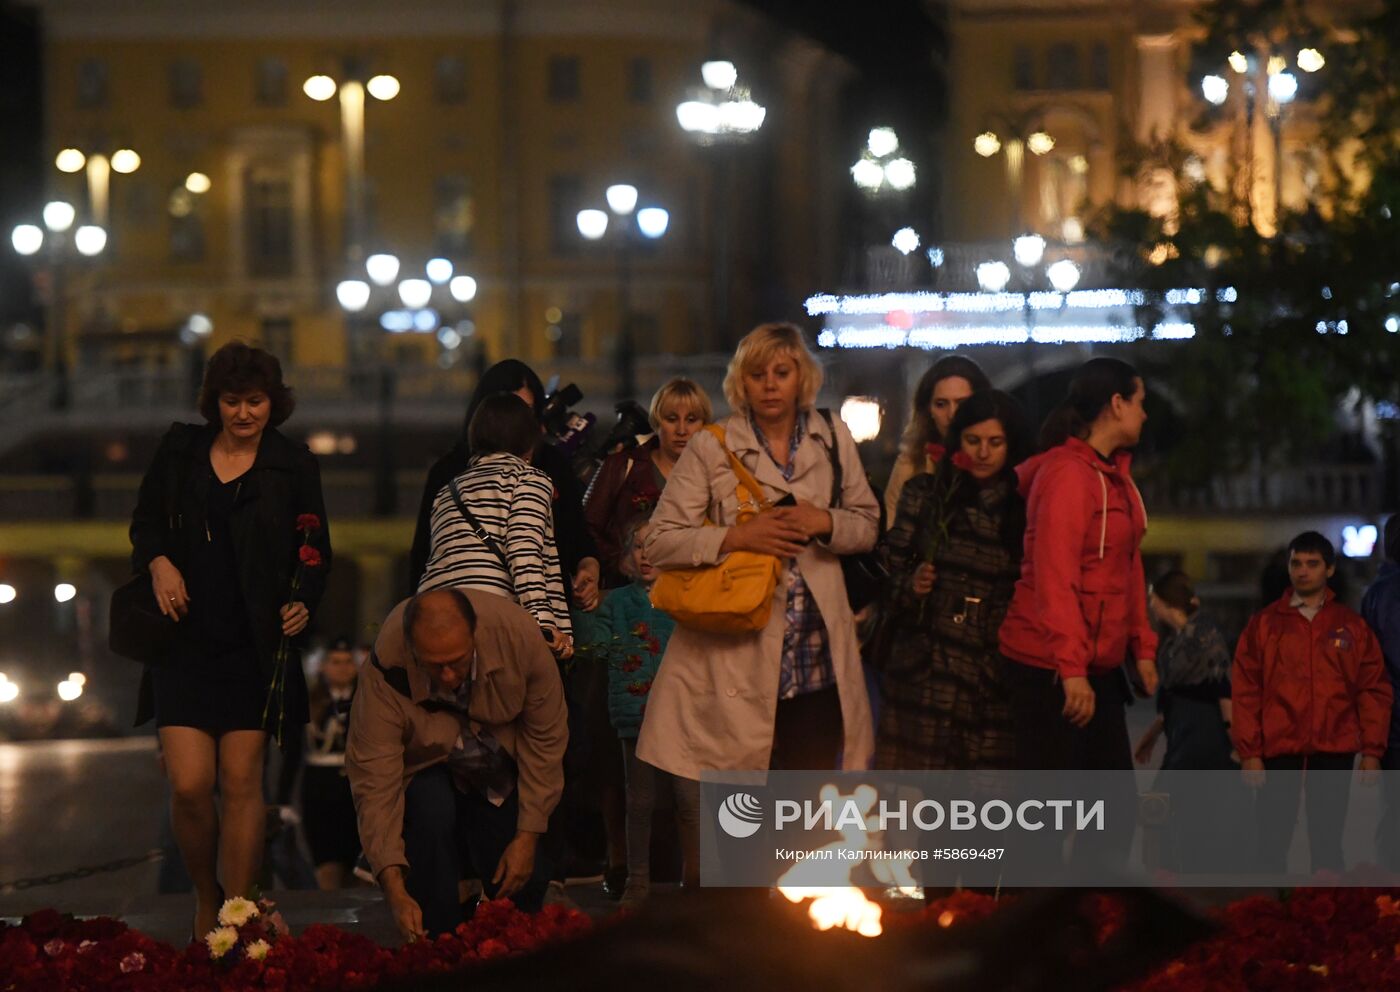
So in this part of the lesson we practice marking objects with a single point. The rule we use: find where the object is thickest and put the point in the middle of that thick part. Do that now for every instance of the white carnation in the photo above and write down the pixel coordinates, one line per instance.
(237, 911)
(221, 941)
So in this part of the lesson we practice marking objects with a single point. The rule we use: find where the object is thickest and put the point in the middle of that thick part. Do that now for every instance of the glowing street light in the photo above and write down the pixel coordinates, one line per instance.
(198, 183)
(721, 111)
(882, 141)
(592, 223)
(90, 239)
(59, 216)
(1283, 87)
(70, 160)
(415, 293)
(900, 173)
(876, 169)
(383, 87)
(9, 691)
(68, 690)
(1238, 62)
(1310, 60)
(653, 221)
(382, 268)
(905, 240)
(439, 270)
(7, 595)
(353, 294)
(1040, 143)
(719, 74)
(862, 417)
(462, 288)
(1215, 89)
(867, 174)
(319, 88)
(622, 198)
(1063, 275)
(1028, 249)
(125, 161)
(64, 592)
(993, 276)
(27, 238)
(986, 144)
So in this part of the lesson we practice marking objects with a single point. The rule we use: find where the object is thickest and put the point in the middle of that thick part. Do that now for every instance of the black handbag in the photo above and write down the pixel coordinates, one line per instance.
(865, 573)
(136, 628)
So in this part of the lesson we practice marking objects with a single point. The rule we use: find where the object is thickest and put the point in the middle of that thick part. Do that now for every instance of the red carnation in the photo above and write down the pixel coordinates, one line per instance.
(960, 460)
(308, 522)
(309, 556)
(934, 451)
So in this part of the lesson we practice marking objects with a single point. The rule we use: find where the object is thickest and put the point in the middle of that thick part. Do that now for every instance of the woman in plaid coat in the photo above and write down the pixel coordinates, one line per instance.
(954, 554)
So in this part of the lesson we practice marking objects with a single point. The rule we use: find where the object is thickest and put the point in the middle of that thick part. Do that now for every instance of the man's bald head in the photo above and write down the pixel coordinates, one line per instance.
(440, 628)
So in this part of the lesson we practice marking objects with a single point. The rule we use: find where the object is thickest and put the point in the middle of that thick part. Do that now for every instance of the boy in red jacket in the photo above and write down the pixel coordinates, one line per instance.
(1309, 692)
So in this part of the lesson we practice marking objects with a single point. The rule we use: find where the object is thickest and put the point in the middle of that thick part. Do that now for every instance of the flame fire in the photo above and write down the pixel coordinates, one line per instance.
(844, 906)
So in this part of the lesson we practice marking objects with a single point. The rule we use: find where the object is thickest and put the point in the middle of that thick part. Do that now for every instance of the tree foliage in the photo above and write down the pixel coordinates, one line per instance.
(1290, 324)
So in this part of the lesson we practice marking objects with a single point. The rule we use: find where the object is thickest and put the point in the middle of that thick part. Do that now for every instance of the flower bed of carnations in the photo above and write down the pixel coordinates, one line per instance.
(1310, 940)
(51, 952)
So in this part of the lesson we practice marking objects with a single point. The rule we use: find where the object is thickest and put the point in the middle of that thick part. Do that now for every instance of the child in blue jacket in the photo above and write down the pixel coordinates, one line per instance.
(638, 633)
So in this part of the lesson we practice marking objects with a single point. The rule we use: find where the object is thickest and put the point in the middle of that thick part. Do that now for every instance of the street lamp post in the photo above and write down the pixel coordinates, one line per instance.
(88, 241)
(1266, 74)
(98, 168)
(649, 222)
(355, 84)
(1013, 138)
(721, 115)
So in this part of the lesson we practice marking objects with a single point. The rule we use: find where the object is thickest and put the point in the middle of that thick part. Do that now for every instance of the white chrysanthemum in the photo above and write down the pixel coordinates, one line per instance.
(257, 950)
(237, 911)
(221, 941)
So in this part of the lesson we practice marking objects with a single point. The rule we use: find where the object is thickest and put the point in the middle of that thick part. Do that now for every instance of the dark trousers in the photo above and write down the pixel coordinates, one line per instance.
(1325, 797)
(446, 830)
(1046, 740)
(808, 732)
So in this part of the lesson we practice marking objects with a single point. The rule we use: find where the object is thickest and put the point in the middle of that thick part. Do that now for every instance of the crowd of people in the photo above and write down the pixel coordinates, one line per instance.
(564, 653)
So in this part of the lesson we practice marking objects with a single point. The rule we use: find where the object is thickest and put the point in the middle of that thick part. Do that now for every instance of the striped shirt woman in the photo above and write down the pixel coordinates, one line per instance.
(512, 504)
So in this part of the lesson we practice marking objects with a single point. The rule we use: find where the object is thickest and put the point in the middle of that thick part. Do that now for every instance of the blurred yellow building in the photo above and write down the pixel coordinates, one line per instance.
(509, 118)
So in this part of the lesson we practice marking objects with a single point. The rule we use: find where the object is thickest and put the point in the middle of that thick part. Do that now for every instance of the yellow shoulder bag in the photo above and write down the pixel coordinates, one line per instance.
(734, 596)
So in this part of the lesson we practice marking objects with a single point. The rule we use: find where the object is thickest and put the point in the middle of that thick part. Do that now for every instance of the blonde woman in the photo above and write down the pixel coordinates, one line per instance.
(791, 695)
(629, 483)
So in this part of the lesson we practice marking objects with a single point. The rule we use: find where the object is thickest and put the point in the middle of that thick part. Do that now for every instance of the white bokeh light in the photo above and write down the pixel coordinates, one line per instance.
(1040, 143)
(198, 182)
(383, 87)
(993, 276)
(1215, 89)
(70, 160)
(462, 288)
(439, 270)
(986, 144)
(719, 74)
(882, 141)
(622, 198)
(868, 174)
(382, 268)
(7, 593)
(415, 292)
(653, 221)
(59, 215)
(1028, 249)
(698, 117)
(9, 691)
(320, 88)
(1063, 275)
(353, 294)
(125, 161)
(905, 240)
(1310, 60)
(900, 173)
(89, 239)
(1283, 87)
(27, 238)
(64, 592)
(592, 223)
(862, 417)
(68, 690)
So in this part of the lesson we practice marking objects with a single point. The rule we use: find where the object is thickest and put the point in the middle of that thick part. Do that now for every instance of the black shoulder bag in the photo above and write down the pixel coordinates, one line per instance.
(137, 629)
(865, 573)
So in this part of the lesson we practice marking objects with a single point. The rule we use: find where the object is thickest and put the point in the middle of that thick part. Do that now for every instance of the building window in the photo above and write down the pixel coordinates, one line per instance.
(277, 337)
(639, 84)
(1062, 67)
(1098, 66)
(1023, 68)
(454, 215)
(566, 335)
(269, 218)
(92, 84)
(270, 86)
(563, 78)
(186, 84)
(565, 198)
(450, 79)
(186, 224)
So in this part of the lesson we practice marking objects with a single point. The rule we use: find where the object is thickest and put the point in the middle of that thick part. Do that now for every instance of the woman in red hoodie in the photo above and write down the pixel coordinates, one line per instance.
(1080, 607)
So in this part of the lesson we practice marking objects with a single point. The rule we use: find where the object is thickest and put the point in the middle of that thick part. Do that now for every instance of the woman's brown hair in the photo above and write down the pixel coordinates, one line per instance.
(241, 368)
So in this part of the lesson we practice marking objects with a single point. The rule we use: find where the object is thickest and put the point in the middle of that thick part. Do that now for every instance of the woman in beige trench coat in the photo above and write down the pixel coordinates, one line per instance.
(792, 695)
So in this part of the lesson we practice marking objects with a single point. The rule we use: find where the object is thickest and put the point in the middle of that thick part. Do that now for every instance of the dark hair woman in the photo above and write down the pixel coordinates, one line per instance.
(578, 556)
(954, 553)
(220, 524)
(1193, 666)
(947, 383)
(1081, 602)
(500, 536)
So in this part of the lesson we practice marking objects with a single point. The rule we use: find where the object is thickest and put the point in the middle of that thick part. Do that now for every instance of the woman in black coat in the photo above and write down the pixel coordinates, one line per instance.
(228, 515)
(578, 554)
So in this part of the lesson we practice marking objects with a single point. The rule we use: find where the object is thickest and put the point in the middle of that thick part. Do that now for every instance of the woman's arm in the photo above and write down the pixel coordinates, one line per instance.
(529, 533)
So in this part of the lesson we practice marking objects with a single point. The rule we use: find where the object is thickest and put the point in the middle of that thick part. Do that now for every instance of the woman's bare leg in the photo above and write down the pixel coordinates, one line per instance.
(242, 827)
(191, 759)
